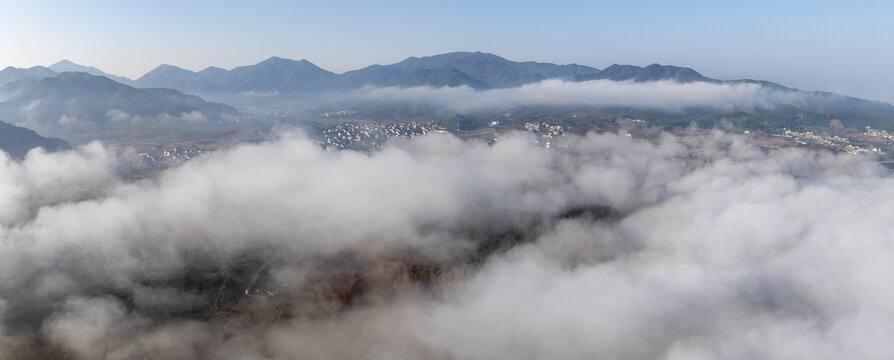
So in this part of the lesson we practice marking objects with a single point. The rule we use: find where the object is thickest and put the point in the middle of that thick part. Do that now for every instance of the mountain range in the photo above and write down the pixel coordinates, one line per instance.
(285, 76)
(475, 69)
(77, 101)
(280, 76)
(68, 66)
(54, 103)
(277, 75)
(10, 74)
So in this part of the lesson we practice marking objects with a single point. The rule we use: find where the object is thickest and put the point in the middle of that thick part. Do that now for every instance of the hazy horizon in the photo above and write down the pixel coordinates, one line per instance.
(808, 45)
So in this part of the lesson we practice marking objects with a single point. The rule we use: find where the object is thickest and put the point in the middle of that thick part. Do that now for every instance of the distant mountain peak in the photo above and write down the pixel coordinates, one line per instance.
(653, 72)
(66, 62)
(165, 70)
(213, 68)
(278, 60)
(11, 74)
(617, 67)
(169, 67)
(484, 70)
(66, 65)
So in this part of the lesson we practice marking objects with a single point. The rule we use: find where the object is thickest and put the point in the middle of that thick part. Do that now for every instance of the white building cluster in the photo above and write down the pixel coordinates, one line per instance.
(546, 130)
(372, 135)
(160, 157)
(816, 138)
(879, 133)
(842, 143)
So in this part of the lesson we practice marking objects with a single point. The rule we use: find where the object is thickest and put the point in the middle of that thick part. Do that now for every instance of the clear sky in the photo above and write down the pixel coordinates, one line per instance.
(841, 46)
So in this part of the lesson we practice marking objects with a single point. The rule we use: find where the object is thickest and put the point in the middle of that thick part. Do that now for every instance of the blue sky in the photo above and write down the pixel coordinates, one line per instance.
(815, 45)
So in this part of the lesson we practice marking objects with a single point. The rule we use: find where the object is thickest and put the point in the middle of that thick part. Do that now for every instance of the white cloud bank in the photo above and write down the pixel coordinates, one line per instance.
(717, 250)
(666, 95)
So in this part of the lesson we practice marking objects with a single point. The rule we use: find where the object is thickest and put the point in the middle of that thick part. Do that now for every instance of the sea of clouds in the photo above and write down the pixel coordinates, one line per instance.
(715, 249)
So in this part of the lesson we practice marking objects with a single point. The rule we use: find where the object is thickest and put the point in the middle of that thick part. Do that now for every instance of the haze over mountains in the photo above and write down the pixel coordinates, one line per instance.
(285, 76)
(485, 69)
(78, 102)
(277, 75)
(68, 66)
(11, 74)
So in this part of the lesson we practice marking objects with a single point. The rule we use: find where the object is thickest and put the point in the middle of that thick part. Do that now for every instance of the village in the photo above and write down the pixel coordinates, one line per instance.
(369, 136)
(162, 157)
(871, 141)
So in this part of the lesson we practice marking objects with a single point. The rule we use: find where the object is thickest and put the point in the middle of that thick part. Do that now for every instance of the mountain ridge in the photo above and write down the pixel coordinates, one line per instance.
(278, 75)
(12, 74)
(490, 69)
(74, 101)
(477, 70)
(67, 66)
(17, 141)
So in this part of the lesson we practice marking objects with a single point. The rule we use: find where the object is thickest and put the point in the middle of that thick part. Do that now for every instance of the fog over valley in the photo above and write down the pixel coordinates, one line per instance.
(446, 181)
(604, 245)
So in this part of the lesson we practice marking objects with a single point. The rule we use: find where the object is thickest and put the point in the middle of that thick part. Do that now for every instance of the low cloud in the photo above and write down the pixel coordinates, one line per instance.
(683, 248)
(83, 325)
(120, 117)
(47, 178)
(665, 95)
